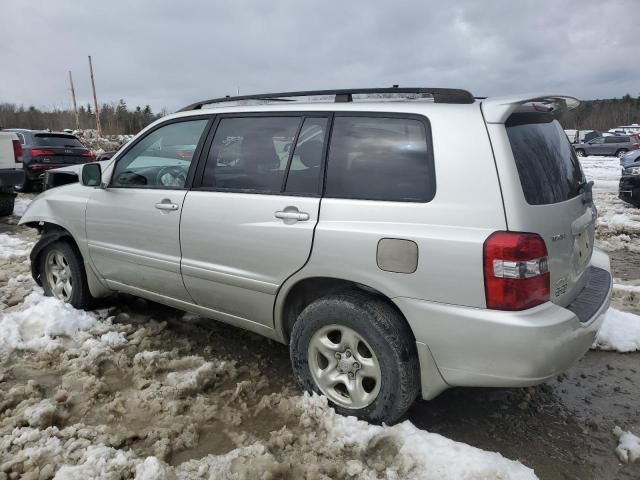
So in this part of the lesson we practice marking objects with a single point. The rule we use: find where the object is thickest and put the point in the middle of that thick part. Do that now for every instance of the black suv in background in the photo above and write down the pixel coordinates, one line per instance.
(615, 145)
(44, 150)
(629, 189)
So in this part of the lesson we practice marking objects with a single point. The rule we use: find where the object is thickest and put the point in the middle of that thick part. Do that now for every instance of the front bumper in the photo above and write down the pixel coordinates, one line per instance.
(629, 189)
(476, 347)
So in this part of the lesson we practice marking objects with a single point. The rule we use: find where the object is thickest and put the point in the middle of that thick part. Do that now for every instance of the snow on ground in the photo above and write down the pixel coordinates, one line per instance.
(116, 394)
(628, 449)
(620, 331)
(21, 206)
(618, 222)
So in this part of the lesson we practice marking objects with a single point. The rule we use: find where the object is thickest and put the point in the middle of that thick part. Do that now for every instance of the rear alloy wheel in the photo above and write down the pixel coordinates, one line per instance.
(580, 152)
(344, 367)
(357, 350)
(63, 276)
(622, 152)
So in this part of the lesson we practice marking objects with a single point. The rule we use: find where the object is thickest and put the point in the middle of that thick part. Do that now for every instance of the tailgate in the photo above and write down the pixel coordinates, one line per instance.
(545, 193)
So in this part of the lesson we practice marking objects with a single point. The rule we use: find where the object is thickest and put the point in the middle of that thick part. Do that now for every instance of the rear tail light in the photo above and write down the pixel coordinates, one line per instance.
(89, 154)
(17, 151)
(39, 152)
(516, 273)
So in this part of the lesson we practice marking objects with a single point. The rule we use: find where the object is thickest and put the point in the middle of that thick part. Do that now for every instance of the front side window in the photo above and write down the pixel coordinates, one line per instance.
(250, 153)
(596, 141)
(162, 158)
(380, 158)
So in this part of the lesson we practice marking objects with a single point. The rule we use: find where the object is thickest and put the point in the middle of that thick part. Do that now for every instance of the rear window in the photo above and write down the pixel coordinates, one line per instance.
(548, 168)
(47, 140)
(380, 158)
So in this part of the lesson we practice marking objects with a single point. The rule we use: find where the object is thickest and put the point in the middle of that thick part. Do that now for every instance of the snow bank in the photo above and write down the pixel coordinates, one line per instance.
(21, 206)
(620, 332)
(101, 144)
(628, 449)
(41, 324)
(11, 246)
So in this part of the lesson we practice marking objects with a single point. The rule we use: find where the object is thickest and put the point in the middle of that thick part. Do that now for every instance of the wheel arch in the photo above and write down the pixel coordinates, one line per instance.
(52, 232)
(295, 297)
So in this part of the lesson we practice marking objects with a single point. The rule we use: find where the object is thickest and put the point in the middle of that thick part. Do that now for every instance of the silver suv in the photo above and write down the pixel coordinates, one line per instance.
(394, 259)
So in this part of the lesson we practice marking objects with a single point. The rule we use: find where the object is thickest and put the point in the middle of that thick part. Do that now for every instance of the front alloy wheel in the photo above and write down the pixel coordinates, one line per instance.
(58, 275)
(60, 271)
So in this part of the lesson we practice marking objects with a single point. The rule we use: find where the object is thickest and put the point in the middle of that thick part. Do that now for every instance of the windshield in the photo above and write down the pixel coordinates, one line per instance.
(548, 168)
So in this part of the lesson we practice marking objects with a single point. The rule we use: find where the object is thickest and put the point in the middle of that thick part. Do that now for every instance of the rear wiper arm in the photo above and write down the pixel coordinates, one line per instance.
(586, 189)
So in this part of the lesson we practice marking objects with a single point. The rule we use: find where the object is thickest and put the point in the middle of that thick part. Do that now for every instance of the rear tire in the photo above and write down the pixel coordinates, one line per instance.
(621, 152)
(61, 269)
(358, 351)
(580, 152)
(7, 201)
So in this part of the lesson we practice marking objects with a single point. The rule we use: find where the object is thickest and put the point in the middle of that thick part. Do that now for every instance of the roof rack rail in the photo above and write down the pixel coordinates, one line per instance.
(440, 95)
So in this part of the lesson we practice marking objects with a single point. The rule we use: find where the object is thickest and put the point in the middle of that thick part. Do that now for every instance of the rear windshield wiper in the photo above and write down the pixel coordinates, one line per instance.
(586, 189)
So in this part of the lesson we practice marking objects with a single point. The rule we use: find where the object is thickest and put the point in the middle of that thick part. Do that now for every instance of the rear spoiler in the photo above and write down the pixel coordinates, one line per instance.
(498, 109)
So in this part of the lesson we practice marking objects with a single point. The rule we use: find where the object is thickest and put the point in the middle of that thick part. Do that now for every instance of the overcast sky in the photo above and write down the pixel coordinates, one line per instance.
(171, 53)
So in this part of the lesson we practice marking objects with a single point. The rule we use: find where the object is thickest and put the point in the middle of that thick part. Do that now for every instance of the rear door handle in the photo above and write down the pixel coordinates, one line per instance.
(166, 205)
(292, 215)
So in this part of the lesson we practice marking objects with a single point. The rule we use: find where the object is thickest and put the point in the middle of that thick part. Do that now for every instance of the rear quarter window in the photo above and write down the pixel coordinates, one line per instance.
(380, 158)
(548, 168)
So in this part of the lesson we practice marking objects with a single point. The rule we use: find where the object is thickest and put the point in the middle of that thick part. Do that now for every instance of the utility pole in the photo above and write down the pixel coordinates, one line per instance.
(95, 98)
(75, 106)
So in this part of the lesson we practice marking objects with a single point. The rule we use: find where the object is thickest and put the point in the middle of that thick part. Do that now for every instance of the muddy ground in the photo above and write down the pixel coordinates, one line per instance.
(180, 388)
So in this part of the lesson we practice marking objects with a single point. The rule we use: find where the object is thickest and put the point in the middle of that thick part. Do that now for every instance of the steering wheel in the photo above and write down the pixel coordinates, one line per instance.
(178, 176)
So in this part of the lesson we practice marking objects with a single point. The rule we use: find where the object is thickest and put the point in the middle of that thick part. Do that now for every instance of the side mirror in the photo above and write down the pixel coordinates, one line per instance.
(91, 175)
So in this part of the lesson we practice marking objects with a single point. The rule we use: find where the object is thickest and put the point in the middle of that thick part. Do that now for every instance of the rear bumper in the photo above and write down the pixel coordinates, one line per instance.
(629, 188)
(10, 177)
(489, 348)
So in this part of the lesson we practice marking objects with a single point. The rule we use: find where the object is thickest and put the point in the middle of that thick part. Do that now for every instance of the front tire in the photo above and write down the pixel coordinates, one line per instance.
(63, 276)
(580, 152)
(358, 351)
(621, 152)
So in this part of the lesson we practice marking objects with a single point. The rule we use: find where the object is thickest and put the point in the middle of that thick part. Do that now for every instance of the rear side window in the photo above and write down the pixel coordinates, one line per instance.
(548, 168)
(616, 140)
(250, 153)
(380, 158)
(45, 140)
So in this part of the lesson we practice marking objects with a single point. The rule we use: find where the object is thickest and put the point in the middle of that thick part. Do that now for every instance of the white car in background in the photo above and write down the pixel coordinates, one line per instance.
(11, 172)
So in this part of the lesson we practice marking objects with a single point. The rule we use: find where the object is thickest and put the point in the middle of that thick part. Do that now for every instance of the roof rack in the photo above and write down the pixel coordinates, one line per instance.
(440, 95)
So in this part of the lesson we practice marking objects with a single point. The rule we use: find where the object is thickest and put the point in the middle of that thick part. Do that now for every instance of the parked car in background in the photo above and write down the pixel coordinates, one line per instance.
(580, 136)
(106, 155)
(615, 145)
(44, 150)
(629, 188)
(11, 173)
(627, 129)
(629, 158)
(321, 225)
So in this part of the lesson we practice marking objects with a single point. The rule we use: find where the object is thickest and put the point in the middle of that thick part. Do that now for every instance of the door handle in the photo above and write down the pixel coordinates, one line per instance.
(166, 205)
(292, 215)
